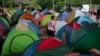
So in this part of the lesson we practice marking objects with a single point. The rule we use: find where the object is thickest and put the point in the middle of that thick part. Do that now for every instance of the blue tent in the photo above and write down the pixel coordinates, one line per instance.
(31, 49)
(63, 15)
(82, 20)
(45, 11)
(32, 26)
(16, 16)
(86, 22)
(34, 14)
(19, 11)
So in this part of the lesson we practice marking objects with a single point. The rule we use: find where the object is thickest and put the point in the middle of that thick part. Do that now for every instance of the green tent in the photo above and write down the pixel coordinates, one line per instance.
(18, 41)
(45, 19)
(91, 40)
(58, 51)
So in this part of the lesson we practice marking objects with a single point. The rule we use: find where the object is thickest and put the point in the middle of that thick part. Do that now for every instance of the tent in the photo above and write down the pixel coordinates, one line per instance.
(2, 31)
(28, 16)
(83, 20)
(63, 15)
(17, 41)
(73, 15)
(6, 18)
(32, 26)
(5, 21)
(71, 33)
(45, 11)
(34, 13)
(3, 24)
(59, 25)
(45, 19)
(16, 16)
(31, 48)
(91, 40)
(38, 16)
(48, 47)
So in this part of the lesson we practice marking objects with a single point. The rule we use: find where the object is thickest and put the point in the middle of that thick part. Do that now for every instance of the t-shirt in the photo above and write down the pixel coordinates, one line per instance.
(51, 23)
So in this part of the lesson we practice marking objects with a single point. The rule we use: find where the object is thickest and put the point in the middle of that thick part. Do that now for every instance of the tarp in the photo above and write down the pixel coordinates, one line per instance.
(17, 41)
(73, 15)
(91, 40)
(63, 15)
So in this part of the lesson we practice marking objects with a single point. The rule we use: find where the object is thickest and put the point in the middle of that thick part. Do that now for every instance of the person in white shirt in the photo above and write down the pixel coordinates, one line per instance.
(51, 27)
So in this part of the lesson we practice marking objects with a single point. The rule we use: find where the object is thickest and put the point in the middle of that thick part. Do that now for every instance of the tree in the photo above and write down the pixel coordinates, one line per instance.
(96, 2)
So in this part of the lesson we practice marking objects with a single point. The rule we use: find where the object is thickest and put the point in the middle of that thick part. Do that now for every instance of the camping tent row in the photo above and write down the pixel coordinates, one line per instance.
(74, 31)
(17, 46)
(28, 44)
(63, 16)
(5, 25)
(25, 17)
(80, 32)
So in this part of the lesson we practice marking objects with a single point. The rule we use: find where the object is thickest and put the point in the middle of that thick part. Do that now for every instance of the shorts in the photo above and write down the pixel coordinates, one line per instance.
(50, 33)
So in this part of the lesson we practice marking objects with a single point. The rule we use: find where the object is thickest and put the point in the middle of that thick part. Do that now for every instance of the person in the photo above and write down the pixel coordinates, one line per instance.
(98, 15)
(1, 11)
(51, 27)
(93, 12)
(95, 51)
